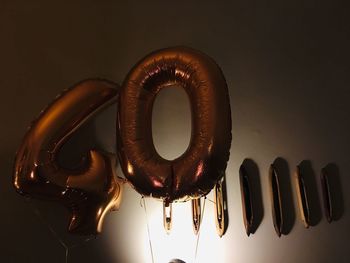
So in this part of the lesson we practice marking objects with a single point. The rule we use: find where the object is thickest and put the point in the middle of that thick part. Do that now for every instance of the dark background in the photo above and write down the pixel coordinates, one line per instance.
(287, 67)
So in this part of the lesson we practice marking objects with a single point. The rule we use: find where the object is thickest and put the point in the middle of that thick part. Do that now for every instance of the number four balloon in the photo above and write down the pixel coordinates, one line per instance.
(91, 191)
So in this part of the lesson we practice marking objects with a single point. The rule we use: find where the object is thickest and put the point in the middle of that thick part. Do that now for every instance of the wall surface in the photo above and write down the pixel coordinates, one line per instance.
(287, 67)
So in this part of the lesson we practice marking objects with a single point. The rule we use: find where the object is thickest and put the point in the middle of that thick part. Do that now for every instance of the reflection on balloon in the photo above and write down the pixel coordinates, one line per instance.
(89, 192)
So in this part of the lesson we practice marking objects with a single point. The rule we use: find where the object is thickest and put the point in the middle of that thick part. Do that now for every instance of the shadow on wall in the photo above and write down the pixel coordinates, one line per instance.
(335, 191)
(312, 194)
(287, 203)
(253, 175)
(286, 192)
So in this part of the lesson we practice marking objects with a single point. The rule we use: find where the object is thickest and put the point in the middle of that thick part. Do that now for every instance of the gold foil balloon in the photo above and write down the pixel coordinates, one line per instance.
(89, 192)
(203, 164)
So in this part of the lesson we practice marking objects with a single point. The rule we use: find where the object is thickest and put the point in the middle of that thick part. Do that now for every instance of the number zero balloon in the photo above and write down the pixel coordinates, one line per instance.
(204, 162)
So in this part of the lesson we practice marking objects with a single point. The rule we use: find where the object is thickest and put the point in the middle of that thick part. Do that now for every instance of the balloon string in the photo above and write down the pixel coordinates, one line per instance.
(77, 245)
(53, 232)
(211, 201)
(199, 232)
(148, 231)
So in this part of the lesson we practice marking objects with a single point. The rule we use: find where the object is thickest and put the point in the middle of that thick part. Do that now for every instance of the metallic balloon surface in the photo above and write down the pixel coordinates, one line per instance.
(194, 173)
(89, 192)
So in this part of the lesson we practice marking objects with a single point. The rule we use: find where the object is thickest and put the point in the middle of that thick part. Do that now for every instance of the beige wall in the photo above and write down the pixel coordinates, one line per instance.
(287, 68)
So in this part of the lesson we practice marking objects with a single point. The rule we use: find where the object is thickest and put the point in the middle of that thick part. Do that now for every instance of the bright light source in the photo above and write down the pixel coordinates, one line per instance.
(181, 242)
